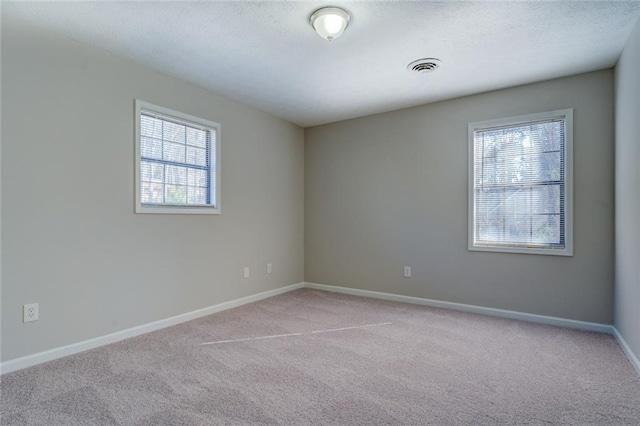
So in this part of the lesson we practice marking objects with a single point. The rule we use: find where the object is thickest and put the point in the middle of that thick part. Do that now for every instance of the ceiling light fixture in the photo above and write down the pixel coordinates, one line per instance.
(330, 22)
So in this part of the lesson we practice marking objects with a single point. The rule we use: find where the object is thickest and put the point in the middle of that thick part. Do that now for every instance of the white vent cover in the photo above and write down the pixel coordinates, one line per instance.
(424, 65)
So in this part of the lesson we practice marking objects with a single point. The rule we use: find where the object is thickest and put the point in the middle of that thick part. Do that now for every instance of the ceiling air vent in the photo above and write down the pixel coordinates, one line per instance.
(424, 65)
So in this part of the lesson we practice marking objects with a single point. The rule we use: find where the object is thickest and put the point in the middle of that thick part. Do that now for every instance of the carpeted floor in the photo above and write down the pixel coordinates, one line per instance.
(312, 357)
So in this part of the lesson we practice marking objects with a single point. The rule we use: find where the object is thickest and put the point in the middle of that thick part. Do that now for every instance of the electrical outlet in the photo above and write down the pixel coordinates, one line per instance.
(246, 272)
(407, 271)
(269, 268)
(30, 312)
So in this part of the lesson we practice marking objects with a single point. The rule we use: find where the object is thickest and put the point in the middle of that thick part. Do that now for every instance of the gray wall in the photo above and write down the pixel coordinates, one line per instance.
(390, 190)
(627, 268)
(381, 192)
(70, 238)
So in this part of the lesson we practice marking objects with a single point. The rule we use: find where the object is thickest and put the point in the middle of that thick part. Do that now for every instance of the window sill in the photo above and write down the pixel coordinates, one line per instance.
(523, 250)
(151, 209)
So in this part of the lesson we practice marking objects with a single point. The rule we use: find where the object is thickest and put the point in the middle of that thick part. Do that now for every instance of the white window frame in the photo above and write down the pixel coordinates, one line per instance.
(567, 116)
(214, 163)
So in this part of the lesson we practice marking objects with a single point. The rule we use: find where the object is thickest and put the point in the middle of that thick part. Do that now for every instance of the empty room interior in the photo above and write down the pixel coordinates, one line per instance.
(296, 212)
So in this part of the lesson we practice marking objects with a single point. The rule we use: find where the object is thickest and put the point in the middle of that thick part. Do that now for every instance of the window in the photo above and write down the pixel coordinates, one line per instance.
(177, 162)
(520, 190)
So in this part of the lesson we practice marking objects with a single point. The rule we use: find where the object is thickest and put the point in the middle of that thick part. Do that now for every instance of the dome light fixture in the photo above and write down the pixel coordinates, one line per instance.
(330, 22)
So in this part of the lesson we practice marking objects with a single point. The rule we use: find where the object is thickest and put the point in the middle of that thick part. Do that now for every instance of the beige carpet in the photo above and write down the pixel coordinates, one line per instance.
(311, 357)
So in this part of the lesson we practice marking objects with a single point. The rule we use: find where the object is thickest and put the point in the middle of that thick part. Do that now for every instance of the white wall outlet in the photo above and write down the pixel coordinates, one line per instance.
(30, 312)
(269, 268)
(407, 271)
(247, 273)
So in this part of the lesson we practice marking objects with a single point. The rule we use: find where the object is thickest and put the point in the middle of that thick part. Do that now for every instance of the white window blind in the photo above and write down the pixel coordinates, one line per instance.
(177, 161)
(520, 191)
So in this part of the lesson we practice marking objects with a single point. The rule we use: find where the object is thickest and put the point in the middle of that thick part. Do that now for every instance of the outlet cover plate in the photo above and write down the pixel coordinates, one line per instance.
(30, 312)
(407, 271)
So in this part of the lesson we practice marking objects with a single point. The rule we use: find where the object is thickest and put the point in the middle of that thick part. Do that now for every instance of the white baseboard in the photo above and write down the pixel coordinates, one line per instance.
(627, 350)
(541, 319)
(51, 354)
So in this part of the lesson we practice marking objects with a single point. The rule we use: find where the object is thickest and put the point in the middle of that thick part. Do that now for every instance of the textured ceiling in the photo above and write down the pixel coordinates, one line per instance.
(265, 54)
